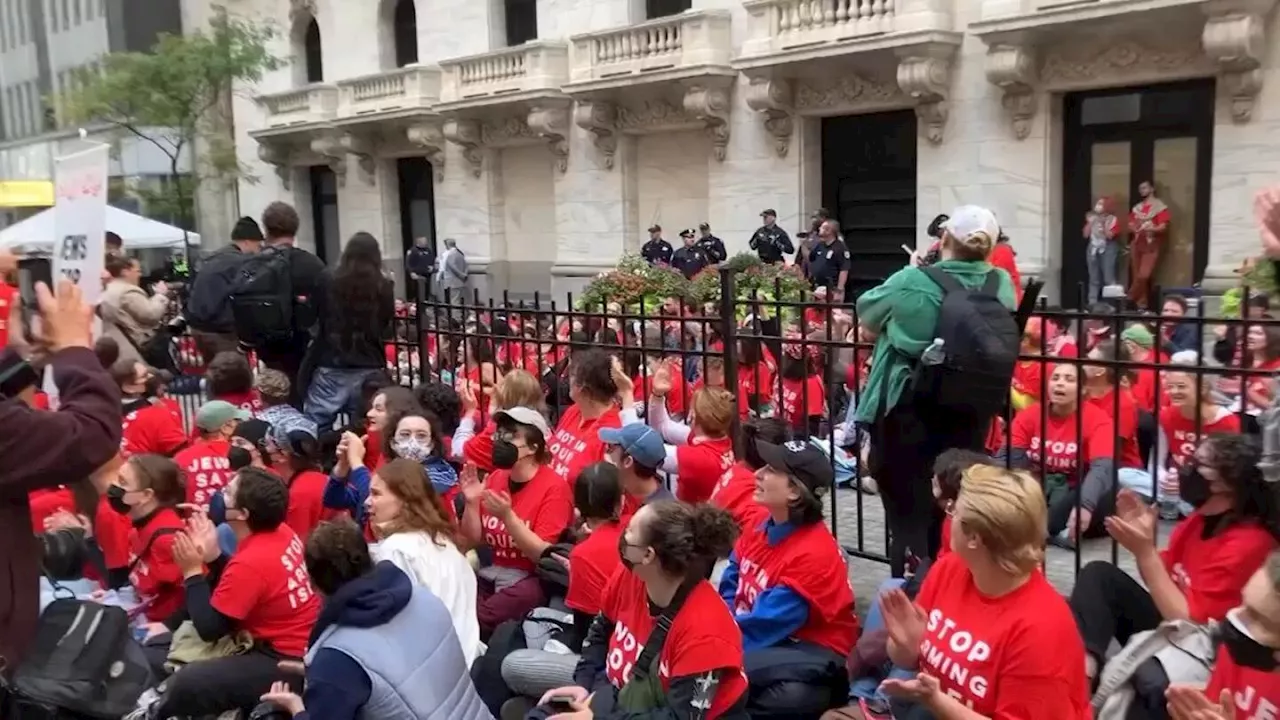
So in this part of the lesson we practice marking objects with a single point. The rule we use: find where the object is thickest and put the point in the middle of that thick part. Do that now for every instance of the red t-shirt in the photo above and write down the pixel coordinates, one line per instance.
(250, 401)
(1256, 694)
(479, 449)
(266, 590)
(700, 465)
(1027, 377)
(576, 442)
(1126, 424)
(207, 468)
(155, 575)
(704, 637)
(944, 547)
(591, 563)
(306, 502)
(545, 504)
(989, 653)
(1054, 439)
(676, 397)
(151, 429)
(736, 493)
(797, 406)
(8, 300)
(1003, 257)
(1261, 384)
(1180, 433)
(755, 381)
(1211, 573)
(372, 449)
(811, 564)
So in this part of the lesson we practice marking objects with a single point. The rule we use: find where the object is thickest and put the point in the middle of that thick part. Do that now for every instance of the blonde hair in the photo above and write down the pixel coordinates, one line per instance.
(974, 246)
(713, 410)
(518, 388)
(1006, 509)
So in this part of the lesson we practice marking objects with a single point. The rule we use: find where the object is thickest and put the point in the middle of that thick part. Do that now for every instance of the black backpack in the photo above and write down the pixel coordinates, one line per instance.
(981, 343)
(262, 300)
(84, 665)
(209, 302)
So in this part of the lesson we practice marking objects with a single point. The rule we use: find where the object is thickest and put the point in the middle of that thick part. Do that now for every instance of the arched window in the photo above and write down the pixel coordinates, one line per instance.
(311, 52)
(404, 29)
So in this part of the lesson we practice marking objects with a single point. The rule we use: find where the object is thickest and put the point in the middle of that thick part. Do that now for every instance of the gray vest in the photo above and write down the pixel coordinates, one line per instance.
(414, 662)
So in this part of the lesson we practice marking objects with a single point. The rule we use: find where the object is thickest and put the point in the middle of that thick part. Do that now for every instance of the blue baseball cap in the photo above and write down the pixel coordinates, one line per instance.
(638, 440)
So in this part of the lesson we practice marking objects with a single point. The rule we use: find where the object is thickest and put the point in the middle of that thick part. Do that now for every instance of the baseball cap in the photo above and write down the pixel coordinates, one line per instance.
(638, 440)
(967, 221)
(526, 416)
(255, 431)
(807, 464)
(216, 413)
(655, 228)
(769, 211)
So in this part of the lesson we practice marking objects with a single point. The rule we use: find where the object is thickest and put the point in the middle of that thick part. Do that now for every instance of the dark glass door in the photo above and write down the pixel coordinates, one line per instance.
(869, 185)
(1116, 140)
(417, 204)
(324, 212)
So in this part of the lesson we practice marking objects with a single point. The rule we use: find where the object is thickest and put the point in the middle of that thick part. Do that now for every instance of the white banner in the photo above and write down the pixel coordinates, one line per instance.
(80, 226)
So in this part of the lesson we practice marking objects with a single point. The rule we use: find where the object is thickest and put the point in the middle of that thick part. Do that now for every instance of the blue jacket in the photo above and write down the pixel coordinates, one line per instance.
(349, 493)
(778, 613)
(385, 649)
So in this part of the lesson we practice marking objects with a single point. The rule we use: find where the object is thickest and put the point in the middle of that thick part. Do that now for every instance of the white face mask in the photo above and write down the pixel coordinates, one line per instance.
(412, 449)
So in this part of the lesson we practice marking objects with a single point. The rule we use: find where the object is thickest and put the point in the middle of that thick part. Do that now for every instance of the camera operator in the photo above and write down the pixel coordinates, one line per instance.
(41, 449)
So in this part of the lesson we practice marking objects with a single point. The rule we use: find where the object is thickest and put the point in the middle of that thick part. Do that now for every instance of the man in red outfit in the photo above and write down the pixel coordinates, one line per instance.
(1149, 224)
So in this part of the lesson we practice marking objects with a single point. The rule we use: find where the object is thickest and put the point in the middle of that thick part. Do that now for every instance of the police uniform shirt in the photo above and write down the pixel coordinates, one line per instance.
(689, 260)
(713, 248)
(826, 263)
(771, 243)
(657, 251)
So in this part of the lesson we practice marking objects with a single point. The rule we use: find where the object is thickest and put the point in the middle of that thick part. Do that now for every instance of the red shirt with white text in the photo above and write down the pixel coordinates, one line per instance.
(1211, 572)
(544, 503)
(801, 400)
(153, 428)
(207, 469)
(700, 465)
(1181, 434)
(736, 493)
(1051, 444)
(266, 590)
(575, 443)
(1255, 694)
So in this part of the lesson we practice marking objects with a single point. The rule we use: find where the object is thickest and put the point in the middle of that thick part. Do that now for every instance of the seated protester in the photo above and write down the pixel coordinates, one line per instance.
(788, 587)
(630, 668)
(803, 402)
(387, 402)
(948, 473)
(756, 372)
(517, 388)
(415, 435)
(1104, 390)
(1245, 669)
(576, 443)
(148, 489)
(700, 453)
(415, 532)
(148, 426)
(274, 388)
(1177, 335)
(264, 591)
(736, 491)
(295, 457)
(1028, 375)
(1190, 417)
(229, 378)
(1075, 470)
(1263, 347)
(519, 510)
(1141, 346)
(655, 362)
(382, 646)
(1210, 555)
(206, 461)
(990, 593)
(637, 451)
(248, 446)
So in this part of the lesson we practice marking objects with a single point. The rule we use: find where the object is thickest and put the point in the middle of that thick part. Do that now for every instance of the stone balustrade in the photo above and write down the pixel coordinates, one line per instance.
(413, 87)
(535, 67)
(691, 40)
(776, 25)
(315, 103)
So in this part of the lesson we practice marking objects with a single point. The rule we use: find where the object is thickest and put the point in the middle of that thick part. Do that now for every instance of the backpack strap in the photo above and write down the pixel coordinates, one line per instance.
(943, 279)
(992, 285)
(152, 541)
(658, 636)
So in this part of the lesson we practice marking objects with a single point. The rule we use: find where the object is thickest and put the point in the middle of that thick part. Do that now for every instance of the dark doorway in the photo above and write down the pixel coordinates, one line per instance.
(869, 185)
(312, 53)
(663, 8)
(417, 204)
(1116, 139)
(405, 31)
(324, 212)
(522, 21)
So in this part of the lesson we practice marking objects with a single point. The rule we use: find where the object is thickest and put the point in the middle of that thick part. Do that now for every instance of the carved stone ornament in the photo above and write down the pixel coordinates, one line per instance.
(430, 137)
(510, 129)
(772, 98)
(926, 80)
(551, 123)
(1085, 63)
(601, 120)
(710, 106)
(362, 149)
(652, 114)
(300, 10)
(849, 92)
(278, 157)
(466, 135)
(1012, 68)
(330, 148)
(1236, 43)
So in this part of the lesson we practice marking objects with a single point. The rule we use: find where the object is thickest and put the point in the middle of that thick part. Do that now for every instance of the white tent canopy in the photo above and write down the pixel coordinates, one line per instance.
(36, 233)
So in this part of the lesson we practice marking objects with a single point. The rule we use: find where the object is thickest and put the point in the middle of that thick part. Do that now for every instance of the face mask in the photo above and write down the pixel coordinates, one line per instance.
(1193, 488)
(622, 554)
(239, 458)
(505, 454)
(115, 498)
(1245, 651)
(218, 508)
(412, 449)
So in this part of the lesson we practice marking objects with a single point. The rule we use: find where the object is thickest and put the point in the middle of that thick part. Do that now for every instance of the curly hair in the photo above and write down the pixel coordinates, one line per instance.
(688, 539)
(1236, 458)
(422, 509)
(592, 373)
(336, 554)
(443, 401)
(356, 294)
(228, 374)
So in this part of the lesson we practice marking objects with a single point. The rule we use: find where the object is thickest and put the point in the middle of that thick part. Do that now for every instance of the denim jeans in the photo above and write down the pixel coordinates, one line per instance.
(1102, 269)
(332, 391)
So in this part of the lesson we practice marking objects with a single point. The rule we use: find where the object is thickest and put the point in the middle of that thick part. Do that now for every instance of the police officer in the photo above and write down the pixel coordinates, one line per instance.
(771, 242)
(710, 245)
(657, 251)
(829, 262)
(690, 258)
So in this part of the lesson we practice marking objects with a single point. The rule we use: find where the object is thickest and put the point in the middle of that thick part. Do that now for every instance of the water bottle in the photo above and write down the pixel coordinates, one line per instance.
(934, 354)
(1168, 502)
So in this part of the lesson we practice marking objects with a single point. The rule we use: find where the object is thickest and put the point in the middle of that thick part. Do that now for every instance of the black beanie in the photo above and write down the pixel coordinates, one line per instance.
(246, 229)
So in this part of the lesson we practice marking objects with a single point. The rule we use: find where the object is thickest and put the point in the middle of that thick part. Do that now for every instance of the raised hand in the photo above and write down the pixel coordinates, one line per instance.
(903, 619)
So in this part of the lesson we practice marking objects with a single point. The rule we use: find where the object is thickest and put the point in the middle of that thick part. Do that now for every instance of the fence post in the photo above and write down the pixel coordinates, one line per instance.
(729, 333)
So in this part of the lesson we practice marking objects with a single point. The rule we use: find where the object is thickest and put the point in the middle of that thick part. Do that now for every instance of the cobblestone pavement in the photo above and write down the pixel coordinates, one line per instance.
(867, 575)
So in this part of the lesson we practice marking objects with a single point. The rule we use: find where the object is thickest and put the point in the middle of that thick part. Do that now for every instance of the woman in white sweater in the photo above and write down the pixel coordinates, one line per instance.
(413, 532)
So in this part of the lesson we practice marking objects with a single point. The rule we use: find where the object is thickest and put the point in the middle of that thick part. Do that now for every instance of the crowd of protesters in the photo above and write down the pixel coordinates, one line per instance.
(574, 520)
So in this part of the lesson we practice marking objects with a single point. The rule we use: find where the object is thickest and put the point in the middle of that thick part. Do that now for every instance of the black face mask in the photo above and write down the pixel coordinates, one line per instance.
(1192, 486)
(115, 498)
(1245, 651)
(505, 454)
(239, 458)
(622, 553)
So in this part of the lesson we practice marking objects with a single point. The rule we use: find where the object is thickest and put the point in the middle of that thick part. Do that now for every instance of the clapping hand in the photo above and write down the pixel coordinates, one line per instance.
(282, 697)
(903, 620)
(467, 393)
(203, 533)
(1188, 703)
(1134, 523)
(919, 689)
(660, 383)
(498, 504)
(469, 484)
(1076, 530)
(188, 556)
(626, 388)
(354, 449)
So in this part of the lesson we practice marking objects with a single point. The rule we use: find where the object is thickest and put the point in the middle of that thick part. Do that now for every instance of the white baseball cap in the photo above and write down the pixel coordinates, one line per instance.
(967, 220)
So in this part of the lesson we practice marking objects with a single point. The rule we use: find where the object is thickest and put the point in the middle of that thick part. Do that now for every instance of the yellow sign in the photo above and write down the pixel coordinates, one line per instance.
(26, 193)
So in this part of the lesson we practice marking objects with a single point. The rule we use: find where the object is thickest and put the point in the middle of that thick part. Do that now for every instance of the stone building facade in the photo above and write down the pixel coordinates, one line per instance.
(546, 136)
